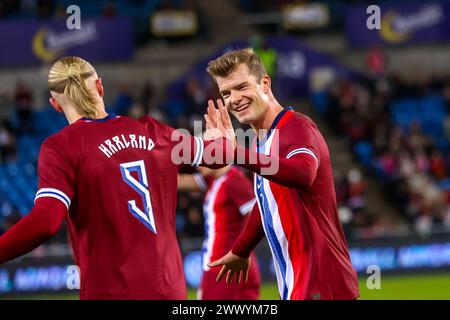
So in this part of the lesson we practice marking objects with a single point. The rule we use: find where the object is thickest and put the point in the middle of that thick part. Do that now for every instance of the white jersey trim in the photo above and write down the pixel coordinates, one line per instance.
(199, 147)
(201, 182)
(302, 150)
(247, 207)
(53, 193)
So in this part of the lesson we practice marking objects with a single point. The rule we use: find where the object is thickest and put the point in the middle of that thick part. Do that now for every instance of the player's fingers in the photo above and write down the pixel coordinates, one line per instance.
(219, 117)
(212, 112)
(220, 103)
(225, 115)
(208, 111)
(230, 275)
(215, 263)
(246, 275)
(222, 273)
(208, 121)
(239, 279)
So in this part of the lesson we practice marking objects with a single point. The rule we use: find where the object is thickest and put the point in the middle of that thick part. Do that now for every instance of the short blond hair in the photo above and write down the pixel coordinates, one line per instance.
(68, 76)
(229, 61)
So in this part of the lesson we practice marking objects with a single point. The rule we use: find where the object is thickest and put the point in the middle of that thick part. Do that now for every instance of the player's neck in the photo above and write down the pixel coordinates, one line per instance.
(72, 115)
(267, 120)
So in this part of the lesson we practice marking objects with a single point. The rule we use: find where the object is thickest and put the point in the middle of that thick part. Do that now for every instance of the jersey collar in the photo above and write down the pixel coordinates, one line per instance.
(109, 116)
(273, 126)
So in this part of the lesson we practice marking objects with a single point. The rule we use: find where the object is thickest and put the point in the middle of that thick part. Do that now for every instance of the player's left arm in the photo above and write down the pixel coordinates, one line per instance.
(40, 224)
(297, 169)
(241, 194)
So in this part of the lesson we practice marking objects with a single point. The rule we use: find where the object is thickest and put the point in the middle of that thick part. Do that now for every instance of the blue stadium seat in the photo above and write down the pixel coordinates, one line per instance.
(320, 101)
(364, 151)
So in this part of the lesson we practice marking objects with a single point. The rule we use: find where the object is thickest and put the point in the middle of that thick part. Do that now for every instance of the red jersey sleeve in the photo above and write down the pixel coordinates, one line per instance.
(297, 166)
(302, 142)
(56, 173)
(41, 223)
(250, 236)
(241, 192)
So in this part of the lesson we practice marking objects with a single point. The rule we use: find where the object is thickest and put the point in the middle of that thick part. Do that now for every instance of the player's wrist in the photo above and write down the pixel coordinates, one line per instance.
(243, 254)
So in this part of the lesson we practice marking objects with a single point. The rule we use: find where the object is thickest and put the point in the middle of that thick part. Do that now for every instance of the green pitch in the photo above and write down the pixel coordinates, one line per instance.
(421, 286)
(430, 286)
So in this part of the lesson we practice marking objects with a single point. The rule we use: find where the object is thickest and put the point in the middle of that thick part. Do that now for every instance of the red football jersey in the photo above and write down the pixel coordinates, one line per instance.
(302, 226)
(228, 200)
(117, 179)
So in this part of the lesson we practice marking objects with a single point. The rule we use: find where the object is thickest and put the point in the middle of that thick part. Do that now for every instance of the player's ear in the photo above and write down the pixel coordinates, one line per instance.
(266, 84)
(99, 85)
(55, 105)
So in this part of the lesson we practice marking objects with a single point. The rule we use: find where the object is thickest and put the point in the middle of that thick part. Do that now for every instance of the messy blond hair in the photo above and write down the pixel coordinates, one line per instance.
(68, 76)
(228, 62)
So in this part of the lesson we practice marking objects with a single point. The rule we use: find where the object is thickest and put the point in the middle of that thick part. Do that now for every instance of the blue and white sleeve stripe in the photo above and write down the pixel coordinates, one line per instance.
(302, 150)
(53, 193)
(199, 146)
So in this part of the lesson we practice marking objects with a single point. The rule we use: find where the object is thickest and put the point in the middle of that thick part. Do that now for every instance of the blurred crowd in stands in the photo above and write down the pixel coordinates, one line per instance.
(413, 164)
(399, 128)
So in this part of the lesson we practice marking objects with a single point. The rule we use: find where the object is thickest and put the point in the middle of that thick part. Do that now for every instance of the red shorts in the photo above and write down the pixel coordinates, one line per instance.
(210, 289)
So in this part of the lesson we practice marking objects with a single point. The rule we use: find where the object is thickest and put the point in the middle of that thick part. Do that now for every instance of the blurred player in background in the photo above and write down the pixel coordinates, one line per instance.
(297, 204)
(114, 180)
(228, 200)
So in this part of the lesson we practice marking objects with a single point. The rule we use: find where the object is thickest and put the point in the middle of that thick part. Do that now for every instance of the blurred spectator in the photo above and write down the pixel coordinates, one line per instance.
(23, 99)
(357, 189)
(147, 96)
(60, 12)
(376, 61)
(6, 105)
(124, 100)
(7, 142)
(267, 54)
(109, 10)
(45, 9)
(438, 167)
(196, 97)
(194, 224)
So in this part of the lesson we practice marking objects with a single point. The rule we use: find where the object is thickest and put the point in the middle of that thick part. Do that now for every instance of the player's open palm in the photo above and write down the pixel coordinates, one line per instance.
(232, 265)
(218, 122)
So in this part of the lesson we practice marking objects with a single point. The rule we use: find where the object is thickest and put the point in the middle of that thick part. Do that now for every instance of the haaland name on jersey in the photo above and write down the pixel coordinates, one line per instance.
(116, 143)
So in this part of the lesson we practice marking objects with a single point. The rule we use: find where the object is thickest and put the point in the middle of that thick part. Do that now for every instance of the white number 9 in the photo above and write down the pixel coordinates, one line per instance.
(141, 187)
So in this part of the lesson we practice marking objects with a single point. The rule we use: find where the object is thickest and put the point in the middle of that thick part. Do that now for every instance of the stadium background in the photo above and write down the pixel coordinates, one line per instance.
(381, 98)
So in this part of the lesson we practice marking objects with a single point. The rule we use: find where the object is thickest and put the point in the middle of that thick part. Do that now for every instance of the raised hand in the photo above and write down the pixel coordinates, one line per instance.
(218, 122)
(232, 265)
